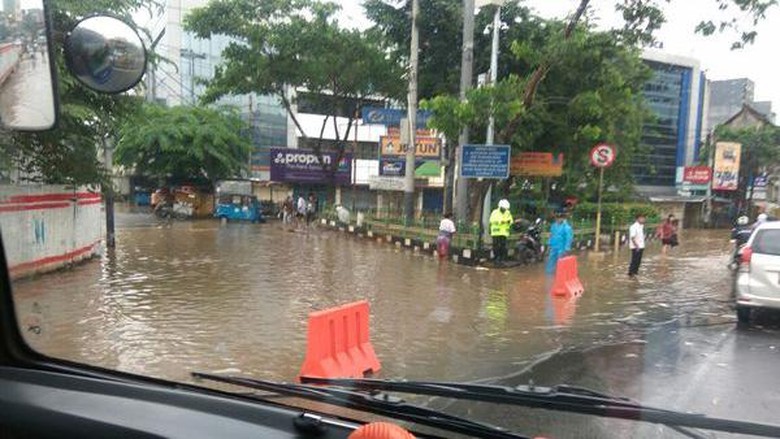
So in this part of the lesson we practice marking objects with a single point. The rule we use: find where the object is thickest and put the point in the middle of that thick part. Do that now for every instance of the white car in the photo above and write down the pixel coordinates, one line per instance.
(758, 278)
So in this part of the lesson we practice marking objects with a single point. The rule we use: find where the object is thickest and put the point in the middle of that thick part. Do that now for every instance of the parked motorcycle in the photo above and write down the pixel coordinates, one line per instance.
(529, 247)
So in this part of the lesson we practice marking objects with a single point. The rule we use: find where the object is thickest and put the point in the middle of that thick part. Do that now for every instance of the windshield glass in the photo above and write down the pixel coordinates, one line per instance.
(253, 206)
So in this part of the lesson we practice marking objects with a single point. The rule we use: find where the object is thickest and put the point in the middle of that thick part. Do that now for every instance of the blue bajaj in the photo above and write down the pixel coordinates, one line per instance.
(239, 207)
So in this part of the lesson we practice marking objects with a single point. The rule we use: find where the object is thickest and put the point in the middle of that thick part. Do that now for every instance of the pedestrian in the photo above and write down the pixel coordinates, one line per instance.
(561, 237)
(287, 211)
(446, 230)
(674, 241)
(500, 225)
(636, 242)
(300, 208)
(311, 208)
(665, 232)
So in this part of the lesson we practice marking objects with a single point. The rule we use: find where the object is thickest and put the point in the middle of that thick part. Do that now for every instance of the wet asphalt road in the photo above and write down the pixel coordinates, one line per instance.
(234, 298)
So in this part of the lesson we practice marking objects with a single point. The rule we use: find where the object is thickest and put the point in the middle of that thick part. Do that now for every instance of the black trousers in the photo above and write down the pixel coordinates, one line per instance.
(499, 247)
(636, 261)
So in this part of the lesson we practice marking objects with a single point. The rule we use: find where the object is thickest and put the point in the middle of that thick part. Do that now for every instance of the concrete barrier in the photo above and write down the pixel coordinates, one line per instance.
(48, 227)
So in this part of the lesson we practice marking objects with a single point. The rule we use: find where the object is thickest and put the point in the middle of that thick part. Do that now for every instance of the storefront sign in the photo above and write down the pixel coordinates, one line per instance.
(726, 169)
(302, 166)
(697, 175)
(426, 147)
(537, 164)
(392, 116)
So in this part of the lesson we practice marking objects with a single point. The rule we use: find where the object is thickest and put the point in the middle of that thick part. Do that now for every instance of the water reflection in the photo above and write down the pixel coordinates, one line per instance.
(203, 296)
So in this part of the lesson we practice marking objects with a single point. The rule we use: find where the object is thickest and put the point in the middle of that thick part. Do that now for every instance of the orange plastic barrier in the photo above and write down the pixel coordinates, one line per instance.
(567, 281)
(338, 344)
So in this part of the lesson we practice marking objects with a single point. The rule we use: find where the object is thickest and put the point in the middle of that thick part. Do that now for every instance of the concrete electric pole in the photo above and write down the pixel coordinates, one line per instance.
(412, 117)
(466, 73)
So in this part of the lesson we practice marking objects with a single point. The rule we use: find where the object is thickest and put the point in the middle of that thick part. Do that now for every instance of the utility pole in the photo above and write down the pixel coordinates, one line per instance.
(490, 135)
(192, 56)
(466, 68)
(412, 117)
(108, 158)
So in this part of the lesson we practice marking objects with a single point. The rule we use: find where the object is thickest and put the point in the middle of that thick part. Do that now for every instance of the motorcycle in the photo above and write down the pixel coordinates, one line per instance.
(739, 237)
(529, 247)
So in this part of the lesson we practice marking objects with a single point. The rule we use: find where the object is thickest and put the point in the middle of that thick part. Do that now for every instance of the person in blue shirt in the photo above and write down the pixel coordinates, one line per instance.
(561, 236)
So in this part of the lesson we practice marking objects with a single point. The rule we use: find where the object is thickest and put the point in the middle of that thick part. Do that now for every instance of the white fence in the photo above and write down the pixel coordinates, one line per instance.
(48, 227)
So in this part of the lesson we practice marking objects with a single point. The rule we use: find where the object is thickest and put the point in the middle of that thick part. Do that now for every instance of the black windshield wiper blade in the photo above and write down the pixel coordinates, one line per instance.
(381, 404)
(561, 398)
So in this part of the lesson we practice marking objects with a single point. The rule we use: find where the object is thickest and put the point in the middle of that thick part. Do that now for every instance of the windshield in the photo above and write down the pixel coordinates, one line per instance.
(536, 193)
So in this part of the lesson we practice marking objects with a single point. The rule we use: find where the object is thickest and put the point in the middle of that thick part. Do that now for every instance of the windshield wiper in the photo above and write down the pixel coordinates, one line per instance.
(561, 398)
(381, 404)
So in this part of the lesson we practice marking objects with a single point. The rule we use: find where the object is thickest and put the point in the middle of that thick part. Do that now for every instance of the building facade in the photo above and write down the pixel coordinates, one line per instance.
(728, 96)
(194, 60)
(677, 95)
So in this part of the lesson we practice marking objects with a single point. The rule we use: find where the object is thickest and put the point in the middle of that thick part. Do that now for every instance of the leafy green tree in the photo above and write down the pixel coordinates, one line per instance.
(297, 44)
(183, 143)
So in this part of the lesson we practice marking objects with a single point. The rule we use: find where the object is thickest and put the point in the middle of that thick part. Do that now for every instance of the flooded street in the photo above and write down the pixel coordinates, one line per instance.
(202, 296)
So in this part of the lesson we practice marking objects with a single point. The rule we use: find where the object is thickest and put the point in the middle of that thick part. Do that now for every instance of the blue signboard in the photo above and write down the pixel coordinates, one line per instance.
(485, 161)
(392, 116)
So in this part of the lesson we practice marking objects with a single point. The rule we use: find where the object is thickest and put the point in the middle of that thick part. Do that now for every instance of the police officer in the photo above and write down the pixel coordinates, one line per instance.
(500, 224)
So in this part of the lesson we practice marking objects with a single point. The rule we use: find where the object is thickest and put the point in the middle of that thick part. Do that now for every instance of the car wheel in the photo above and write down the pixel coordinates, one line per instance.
(743, 315)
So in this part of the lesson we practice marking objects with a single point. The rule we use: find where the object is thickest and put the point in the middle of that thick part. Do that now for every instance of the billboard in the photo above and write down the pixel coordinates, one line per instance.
(726, 170)
(697, 175)
(303, 166)
(537, 164)
(485, 161)
(392, 116)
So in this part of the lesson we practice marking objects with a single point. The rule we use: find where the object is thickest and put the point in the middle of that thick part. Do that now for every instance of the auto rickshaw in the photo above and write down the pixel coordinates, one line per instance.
(239, 207)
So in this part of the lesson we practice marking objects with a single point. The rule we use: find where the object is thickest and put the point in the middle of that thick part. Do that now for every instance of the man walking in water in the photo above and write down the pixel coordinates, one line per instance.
(561, 236)
(636, 242)
(500, 225)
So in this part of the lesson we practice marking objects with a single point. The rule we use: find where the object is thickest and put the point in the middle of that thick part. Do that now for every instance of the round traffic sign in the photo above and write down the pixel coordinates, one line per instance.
(602, 155)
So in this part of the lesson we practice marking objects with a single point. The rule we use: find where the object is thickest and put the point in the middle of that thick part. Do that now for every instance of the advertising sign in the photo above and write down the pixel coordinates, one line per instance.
(426, 147)
(396, 167)
(726, 170)
(485, 161)
(760, 181)
(537, 164)
(392, 116)
(697, 175)
(302, 166)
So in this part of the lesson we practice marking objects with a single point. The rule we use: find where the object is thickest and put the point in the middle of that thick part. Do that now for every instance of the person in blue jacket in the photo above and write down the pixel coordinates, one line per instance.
(561, 236)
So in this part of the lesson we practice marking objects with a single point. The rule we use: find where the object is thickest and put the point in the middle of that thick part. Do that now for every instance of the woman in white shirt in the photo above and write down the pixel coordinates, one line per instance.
(446, 230)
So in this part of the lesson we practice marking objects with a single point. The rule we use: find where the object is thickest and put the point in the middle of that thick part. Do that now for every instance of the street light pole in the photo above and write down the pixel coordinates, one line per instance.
(108, 158)
(412, 117)
(490, 135)
(466, 73)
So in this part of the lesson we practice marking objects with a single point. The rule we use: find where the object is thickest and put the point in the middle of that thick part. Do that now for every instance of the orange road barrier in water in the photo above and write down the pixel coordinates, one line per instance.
(567, 281)
(338, 345)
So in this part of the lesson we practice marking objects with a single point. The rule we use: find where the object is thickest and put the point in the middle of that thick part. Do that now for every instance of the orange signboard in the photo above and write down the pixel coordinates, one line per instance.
(427, 147)
(537, 164)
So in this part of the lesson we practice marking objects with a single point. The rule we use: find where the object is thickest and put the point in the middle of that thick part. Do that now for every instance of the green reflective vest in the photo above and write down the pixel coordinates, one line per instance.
(500, 223)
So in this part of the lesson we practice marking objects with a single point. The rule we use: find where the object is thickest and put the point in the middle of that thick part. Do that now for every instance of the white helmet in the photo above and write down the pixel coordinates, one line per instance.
(742, 221)
(503, 204)
(761, 218)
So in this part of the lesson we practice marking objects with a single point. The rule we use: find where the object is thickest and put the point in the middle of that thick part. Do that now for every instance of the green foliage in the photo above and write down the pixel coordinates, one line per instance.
(298, 44)
(179, 144)
(618, 214)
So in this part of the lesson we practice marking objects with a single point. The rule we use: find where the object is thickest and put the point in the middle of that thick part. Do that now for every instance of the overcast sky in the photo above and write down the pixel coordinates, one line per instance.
(759, 62)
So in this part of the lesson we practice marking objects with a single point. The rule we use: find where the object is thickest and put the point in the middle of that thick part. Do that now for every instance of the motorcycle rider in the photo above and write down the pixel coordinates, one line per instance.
(740, 235)
(561, 236)
(500, 226)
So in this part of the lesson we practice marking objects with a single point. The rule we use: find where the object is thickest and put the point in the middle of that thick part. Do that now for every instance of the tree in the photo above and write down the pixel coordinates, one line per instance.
(87, 120)
(297, 44)
(178, 144)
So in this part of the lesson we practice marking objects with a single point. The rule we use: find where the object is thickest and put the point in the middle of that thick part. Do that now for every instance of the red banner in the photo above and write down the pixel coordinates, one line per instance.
(697, 174)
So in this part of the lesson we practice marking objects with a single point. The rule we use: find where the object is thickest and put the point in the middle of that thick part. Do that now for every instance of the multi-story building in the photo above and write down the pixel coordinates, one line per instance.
(728, 96)
(193, 60)
(676, 94)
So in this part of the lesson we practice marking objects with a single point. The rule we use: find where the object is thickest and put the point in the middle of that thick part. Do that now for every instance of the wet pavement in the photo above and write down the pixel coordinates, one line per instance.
(27, 96)
(234, 298)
